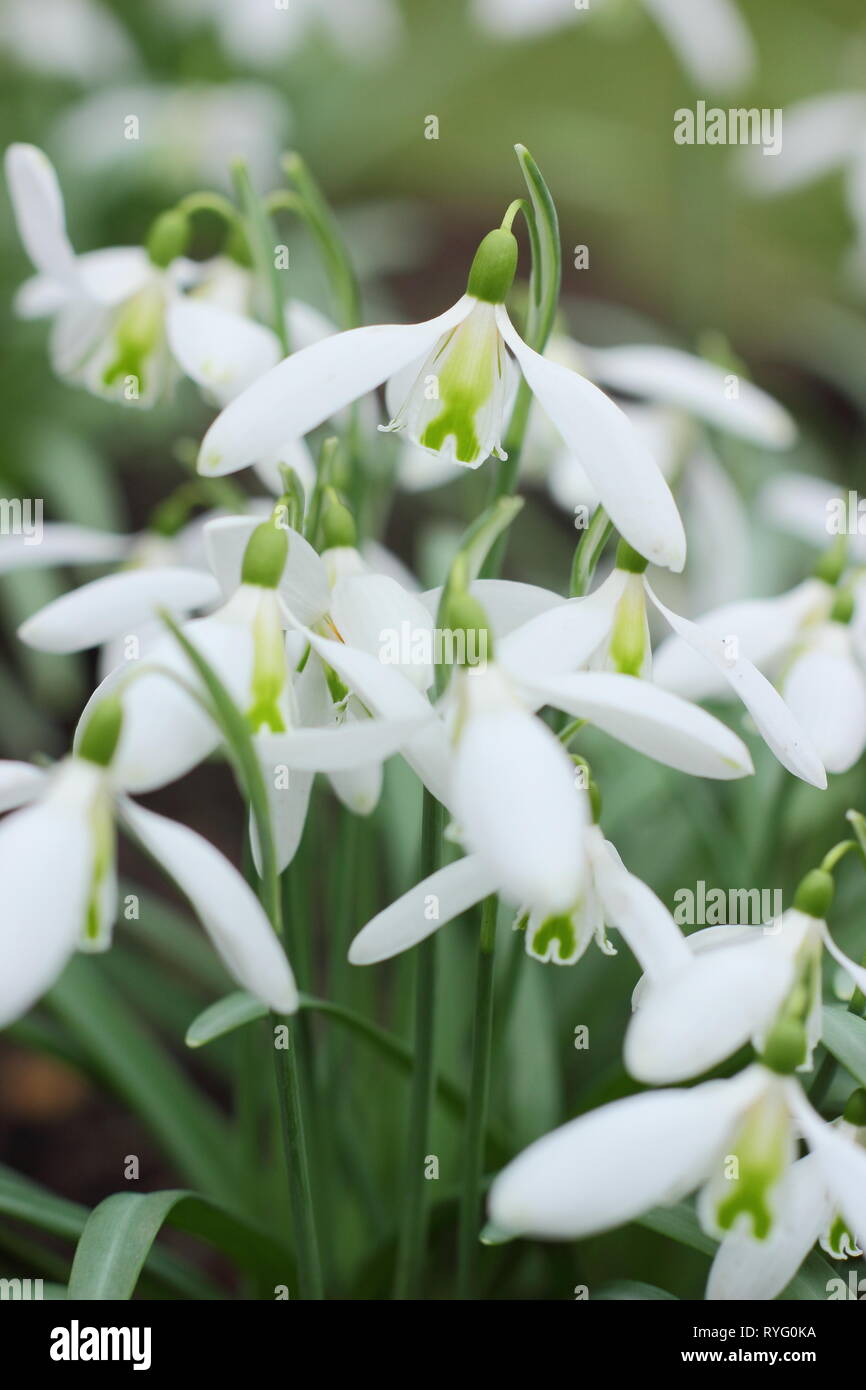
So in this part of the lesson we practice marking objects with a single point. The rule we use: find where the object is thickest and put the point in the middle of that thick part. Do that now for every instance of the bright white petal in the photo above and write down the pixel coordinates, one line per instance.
(222, 352)
(842, 1161)
(342, 748)
(633, 909)
(711, 38)
(679, 379)
(508, 604)
(376, 614)
(821, 133)
(38, 206)
(61, 544)
(226, 905)
(775, 722)
(826, 693)
(19, 783)
(693, 1019)
(851, 968)
(117, 604)
(311, 385)
(46, 861)
(612, 453)
(563, 638)
(613, 1164)
(423, 910)
(651, 720)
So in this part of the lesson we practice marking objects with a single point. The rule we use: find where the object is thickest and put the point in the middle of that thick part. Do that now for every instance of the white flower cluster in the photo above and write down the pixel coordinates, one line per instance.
(288, 614)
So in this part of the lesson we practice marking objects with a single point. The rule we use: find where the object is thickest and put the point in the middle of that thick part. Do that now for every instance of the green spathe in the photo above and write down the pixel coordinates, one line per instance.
(265, 555)
(494, 266)
(99, 740)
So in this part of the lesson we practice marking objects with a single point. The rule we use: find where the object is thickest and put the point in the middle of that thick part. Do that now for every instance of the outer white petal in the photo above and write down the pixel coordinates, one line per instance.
(692, 1019)
(821, 133)
(423, 910)
(826, 692)
(388, 694)
(563, 638)
(61, 544)
(842, 1161)
(311, 385)
(754, 1270)
(376, 614)
(609, 1166)
(517, 806)
(222, 352)
(651, 720)
(613, 455)
(633, 909)
(711, 39)
(38, 206)
(775, 722)
(341, 748)
(764, 629)
(803, 506)
(20, 783)
(46, 861)
(119, 603)
(288, 803)
(856, 972)
(228, 908)
(679, 379)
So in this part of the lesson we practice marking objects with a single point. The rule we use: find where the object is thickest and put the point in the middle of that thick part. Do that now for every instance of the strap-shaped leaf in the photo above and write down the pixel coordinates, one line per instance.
(844, 1034)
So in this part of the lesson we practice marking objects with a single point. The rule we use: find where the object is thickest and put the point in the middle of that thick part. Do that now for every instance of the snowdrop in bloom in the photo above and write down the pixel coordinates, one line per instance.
(807, 1211)
(77, 39)
(111, 310)
(608, 1167)
(455, 401)
(58, 876)
(809, 642)
(708, 36)
(608, 630)
(731, 990)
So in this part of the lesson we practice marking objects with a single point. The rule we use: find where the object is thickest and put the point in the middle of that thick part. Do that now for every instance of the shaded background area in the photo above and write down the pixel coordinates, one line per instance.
(678, 249)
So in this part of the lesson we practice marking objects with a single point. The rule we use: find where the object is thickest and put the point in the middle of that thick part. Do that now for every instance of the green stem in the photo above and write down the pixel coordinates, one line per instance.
(413, 1229)
(325, 228)
(588, 552)
(479, 1091)
(261, 239)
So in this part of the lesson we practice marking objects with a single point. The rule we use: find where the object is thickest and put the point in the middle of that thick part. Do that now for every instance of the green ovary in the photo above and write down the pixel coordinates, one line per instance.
(558, 929)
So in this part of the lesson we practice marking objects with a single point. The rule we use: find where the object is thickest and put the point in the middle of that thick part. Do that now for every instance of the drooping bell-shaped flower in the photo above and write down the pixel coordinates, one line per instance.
(58, 874)
(454, 401)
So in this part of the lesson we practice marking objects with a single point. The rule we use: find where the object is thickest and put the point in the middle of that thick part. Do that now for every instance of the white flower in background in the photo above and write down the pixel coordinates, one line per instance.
(220, 122)
(608, 630)
(823, 134)
(604, 894)
(610, 1166)
(263, 33)
(78, 39)
(261, 568)
(815, 510)
(456, 404)
(115, 314)
(709, 37)
(810, 642)
(807, 1210)
(58, 874)
(733, 987)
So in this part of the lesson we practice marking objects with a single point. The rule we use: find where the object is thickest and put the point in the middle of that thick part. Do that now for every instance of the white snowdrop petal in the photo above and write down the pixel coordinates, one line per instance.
(565, 637)
(377, 615)
(611, 1165)
(313, 384)
(650, 720)
(508, 604)
(20, 783)
(826, 693)
(37, 203)
(115, 605)
(842, 1162)
(423, 910)
(221, 351)
(228, 908)
(635, 911)
(614, 456)
(711, 38)
(61, 544)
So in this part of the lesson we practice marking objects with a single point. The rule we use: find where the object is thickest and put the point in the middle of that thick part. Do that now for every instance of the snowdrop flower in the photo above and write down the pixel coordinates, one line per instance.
(708, 36)
(605, 894)
(111, 310)
(733, 987)
(499, 770)
(816, 511)
(610, 1166)
(455, 401)
(58, 875)
(807, 1210)
(809, 642)
(220, 122)
(78, 39)
(262, 34)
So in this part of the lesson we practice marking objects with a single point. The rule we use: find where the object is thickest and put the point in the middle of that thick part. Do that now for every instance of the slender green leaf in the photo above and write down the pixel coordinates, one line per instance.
(546, 254)
(844, 1034)
(627, 1289)
(223, 1017)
